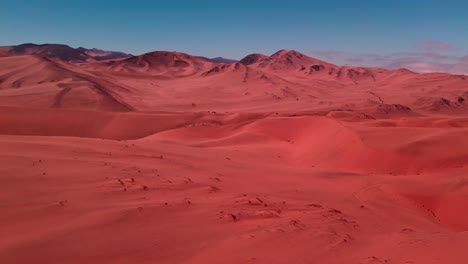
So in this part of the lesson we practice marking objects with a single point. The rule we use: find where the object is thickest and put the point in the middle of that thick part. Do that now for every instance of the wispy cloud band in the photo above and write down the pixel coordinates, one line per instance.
(422, 62)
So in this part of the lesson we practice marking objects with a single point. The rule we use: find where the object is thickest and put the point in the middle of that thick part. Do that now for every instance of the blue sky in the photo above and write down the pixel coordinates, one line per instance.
(234, 29)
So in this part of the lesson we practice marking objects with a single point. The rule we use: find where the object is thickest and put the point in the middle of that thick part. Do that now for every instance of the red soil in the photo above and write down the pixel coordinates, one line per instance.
(168, 158)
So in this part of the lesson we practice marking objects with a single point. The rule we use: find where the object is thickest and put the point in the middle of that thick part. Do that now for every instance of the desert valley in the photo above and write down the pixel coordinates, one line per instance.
(168, 157)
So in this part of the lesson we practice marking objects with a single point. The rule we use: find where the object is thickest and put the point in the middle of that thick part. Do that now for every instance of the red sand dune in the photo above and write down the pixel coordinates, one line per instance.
(170, 158)
(46, 83)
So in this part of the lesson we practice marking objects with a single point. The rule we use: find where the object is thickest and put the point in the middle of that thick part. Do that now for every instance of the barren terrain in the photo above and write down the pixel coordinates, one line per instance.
(172, 158)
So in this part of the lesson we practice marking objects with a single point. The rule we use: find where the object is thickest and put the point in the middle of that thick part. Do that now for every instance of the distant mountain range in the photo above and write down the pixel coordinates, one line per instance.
(69, 54)
(63, 52)
(176, 81)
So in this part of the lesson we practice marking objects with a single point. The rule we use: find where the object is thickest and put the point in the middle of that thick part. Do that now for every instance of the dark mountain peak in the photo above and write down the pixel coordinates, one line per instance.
(65, 52)
(289, 53)
(252, 58)
(60, 51)
(164, 58)
(293, 60)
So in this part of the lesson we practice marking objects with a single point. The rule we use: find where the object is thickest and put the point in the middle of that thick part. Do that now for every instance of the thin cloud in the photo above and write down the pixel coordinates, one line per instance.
(355, 60)
(434, 45)
(427, 67)
(422, 62)
(426, 55)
